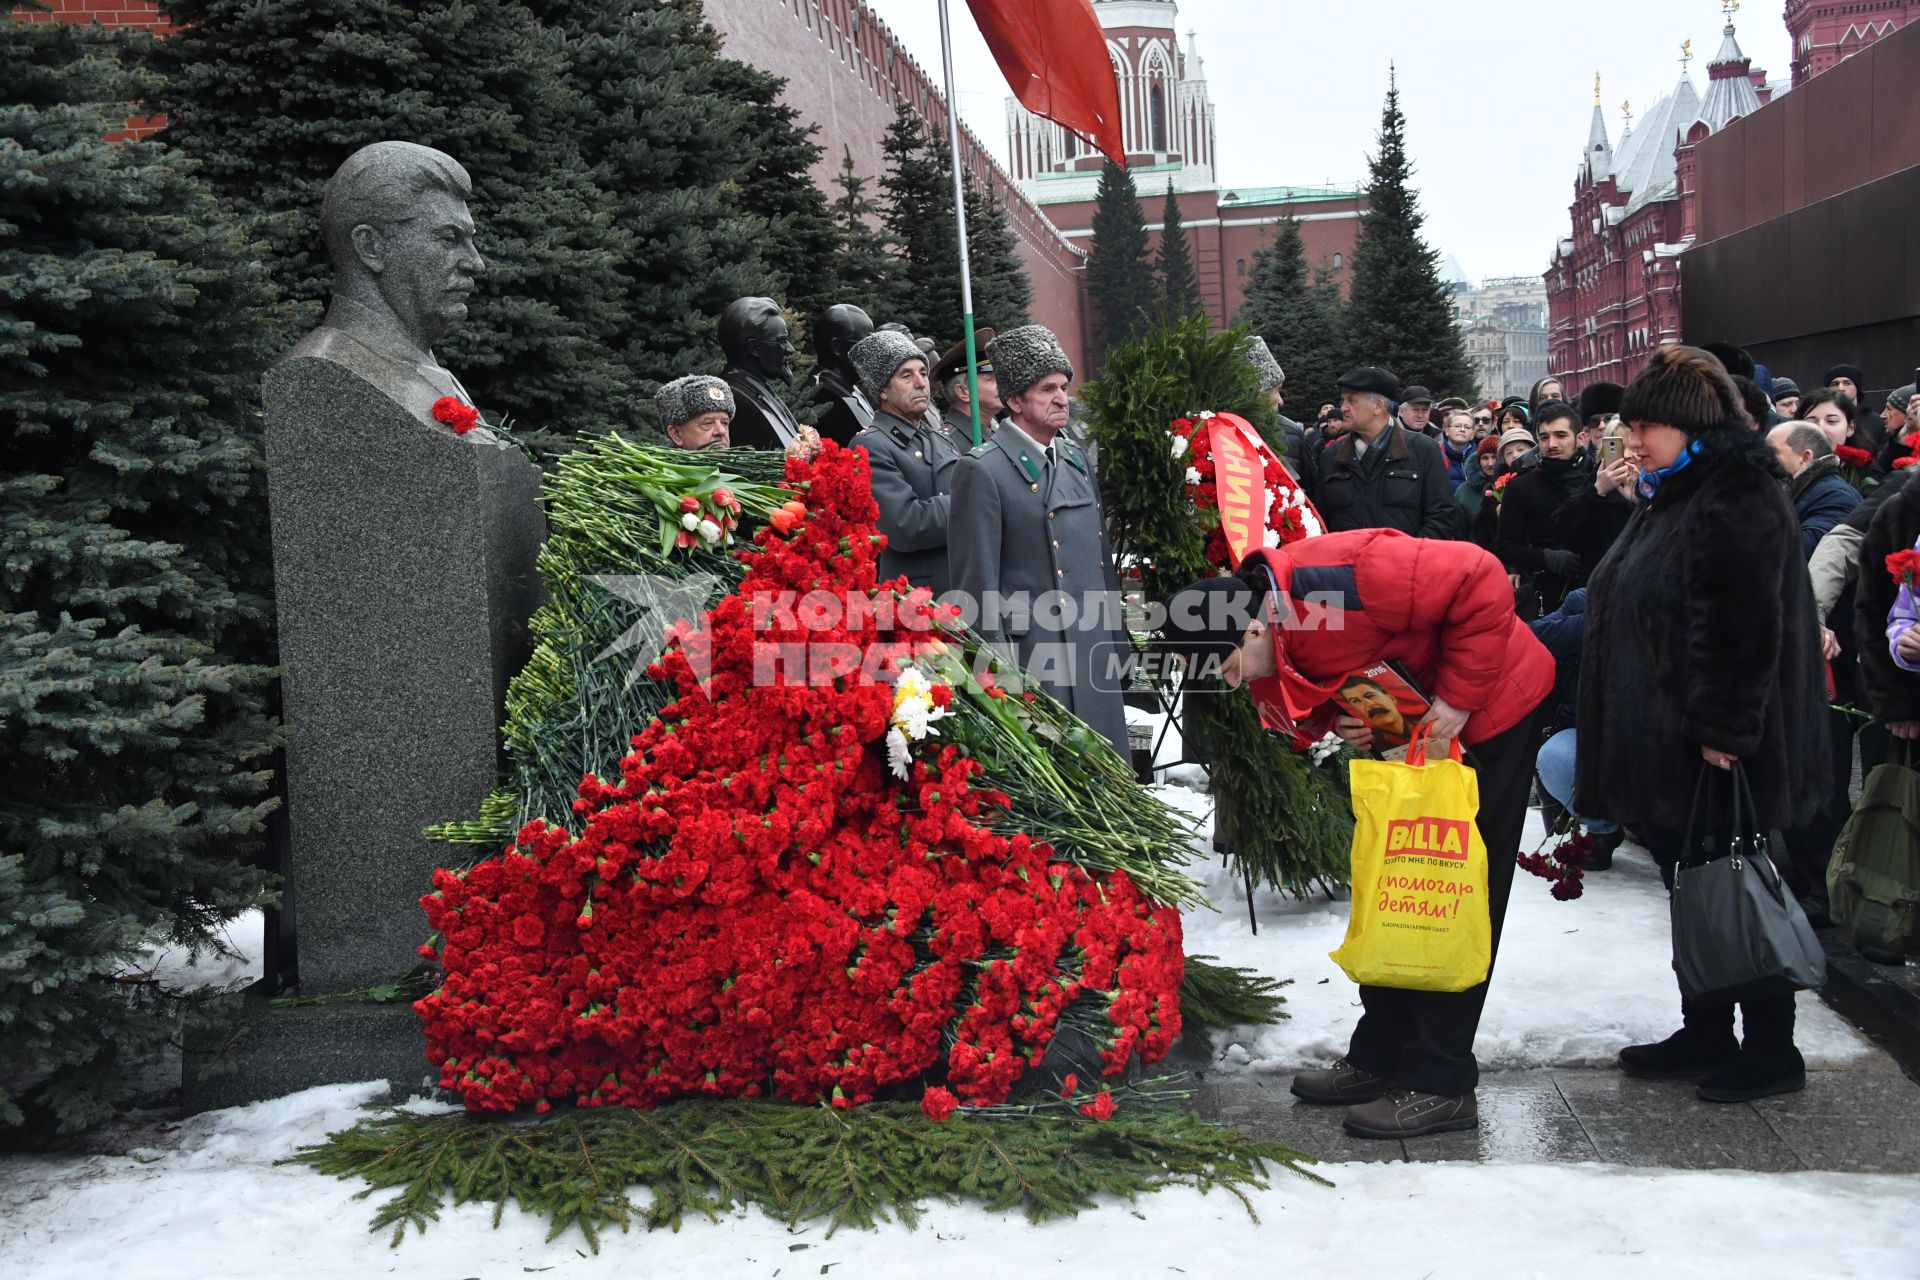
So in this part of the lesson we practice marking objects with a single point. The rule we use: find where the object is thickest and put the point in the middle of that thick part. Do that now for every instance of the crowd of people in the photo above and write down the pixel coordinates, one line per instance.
(1702, 556)
(1613, 598)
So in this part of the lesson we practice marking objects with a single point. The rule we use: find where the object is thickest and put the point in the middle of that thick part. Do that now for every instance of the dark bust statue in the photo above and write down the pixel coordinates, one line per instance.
(836, 331)
(397, 230)
(759, 351)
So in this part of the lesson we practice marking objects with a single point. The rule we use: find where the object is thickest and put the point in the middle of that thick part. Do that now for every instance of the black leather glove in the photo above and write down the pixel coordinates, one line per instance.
(1561, 564)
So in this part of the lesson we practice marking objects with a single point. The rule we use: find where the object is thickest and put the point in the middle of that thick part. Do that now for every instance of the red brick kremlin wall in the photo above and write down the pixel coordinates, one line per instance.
(110, 13)
(844, 71)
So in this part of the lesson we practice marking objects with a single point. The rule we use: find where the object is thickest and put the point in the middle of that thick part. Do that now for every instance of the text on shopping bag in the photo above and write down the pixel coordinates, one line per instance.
(1446, 838)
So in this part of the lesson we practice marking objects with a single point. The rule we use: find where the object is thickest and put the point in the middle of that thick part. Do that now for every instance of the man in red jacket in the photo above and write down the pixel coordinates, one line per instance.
(1295, 623)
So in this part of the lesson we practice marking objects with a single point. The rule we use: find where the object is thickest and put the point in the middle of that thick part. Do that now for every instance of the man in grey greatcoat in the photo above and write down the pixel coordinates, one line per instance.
(1029, 542)
(912, 462)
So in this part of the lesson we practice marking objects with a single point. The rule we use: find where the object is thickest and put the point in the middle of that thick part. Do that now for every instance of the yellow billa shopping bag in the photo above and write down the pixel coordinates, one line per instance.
(1420, 918)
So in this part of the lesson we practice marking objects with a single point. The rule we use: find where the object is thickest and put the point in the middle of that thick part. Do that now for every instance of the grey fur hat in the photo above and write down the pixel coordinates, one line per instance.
(1023, 356)
(1271, 374)
(685, 399)
(879, 355)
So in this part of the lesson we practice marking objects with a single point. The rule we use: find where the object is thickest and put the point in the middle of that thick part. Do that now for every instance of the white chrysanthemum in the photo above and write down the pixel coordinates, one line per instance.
(910, 683)
(913, 717)
(897, 758)
(1180, 446)
(1193, 475)
(1273, 538)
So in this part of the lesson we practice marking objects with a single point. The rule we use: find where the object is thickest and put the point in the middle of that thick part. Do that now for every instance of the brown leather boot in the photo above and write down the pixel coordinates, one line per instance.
(1342, 1084)
(1403, 1113)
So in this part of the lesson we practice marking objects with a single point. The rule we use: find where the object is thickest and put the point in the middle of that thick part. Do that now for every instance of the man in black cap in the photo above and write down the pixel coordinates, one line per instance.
(1378, 474)
(1416, 412)
(1846, 379)
(951, 376)
(1786, 398)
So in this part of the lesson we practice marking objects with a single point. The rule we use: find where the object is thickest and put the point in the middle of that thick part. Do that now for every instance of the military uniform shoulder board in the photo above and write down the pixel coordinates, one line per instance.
(981, 450)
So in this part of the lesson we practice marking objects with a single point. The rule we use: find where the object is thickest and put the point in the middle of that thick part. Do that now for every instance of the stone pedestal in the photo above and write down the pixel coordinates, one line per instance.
(404, 570)
(265, 1052)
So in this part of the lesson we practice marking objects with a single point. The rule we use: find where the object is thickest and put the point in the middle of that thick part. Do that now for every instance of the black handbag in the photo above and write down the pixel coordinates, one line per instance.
(1734, 921)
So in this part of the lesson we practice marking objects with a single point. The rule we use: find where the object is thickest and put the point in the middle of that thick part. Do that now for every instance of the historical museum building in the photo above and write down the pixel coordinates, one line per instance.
(1614, 283)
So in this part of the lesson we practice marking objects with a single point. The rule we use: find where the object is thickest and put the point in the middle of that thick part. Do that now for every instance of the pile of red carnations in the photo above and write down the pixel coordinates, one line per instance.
(760, 906)
(1290, 515)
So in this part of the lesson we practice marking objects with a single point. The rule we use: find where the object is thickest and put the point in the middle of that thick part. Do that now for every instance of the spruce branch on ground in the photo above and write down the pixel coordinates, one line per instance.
(862, 1167)
(1216, 997)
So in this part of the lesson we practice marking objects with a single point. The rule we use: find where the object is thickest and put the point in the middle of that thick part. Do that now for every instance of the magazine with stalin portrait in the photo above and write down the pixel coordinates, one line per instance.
(1387, 698)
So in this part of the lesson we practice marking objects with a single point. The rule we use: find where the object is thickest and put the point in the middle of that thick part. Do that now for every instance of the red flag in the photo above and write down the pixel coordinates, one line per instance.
(1055, 58)
(1241, 484)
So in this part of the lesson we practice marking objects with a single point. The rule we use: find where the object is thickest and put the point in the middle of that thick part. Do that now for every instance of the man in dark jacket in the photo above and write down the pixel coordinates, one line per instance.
(1529, 541)
(1379, 475)
(1416, 412)
(1822, 498)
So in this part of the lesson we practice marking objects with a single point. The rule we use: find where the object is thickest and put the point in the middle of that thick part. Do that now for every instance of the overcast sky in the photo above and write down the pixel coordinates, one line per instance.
(1498, 95)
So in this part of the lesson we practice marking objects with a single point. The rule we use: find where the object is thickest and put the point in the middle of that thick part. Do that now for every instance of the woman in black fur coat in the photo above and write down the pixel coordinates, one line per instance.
(1702, 646)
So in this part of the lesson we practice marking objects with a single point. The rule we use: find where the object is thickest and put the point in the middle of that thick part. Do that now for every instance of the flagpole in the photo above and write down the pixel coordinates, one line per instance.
(960, 224)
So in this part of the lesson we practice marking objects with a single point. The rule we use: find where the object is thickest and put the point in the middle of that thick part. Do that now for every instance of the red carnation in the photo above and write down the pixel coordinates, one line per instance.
(1901, 464)
(938, 1103)
(456, 413)
(1853, 457)
(1101, 1108)
(1070, 1086)
(1904, 566)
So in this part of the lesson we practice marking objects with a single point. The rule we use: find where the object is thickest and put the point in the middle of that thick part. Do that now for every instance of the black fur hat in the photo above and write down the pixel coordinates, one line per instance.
(1734, 359)
(1598, 399)
(1683, 387)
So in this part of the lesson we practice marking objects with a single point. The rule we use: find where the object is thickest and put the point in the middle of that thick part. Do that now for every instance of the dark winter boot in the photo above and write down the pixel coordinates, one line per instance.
(1600, 852)
(1768, 1064)
(1552, 812)
(1342, 1084)
(1703, 1043)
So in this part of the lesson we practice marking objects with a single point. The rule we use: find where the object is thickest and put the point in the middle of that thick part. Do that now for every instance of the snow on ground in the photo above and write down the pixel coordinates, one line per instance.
(214, 1204)
(1574, 981)
(239, 965)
